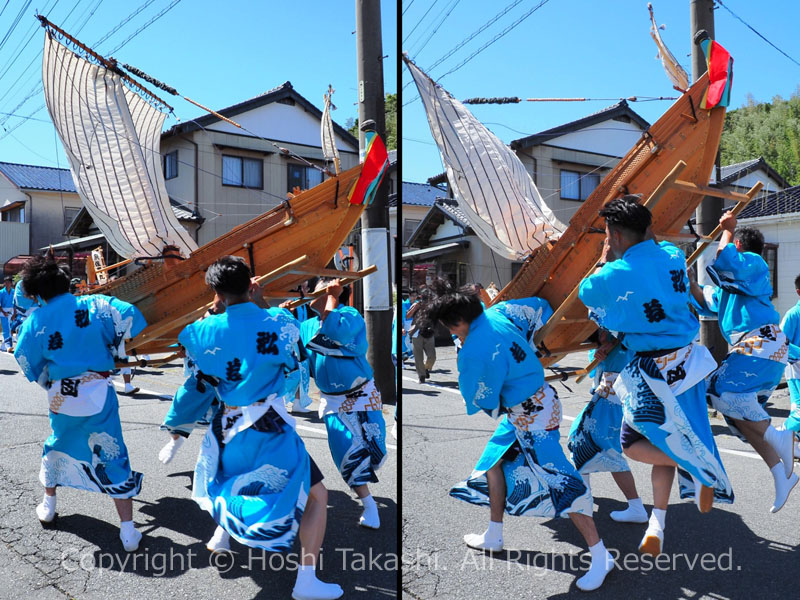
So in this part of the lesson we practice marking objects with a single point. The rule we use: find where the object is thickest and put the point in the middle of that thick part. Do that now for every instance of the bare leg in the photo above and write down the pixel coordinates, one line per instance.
(662, 478)
(492, 538)
(50, 491)
(124, 508)
(754, 431)
(362, 491)
(313, 524)
(625, 482)
(312, 531)
(497, 492)
(645, 452)
(585, 525)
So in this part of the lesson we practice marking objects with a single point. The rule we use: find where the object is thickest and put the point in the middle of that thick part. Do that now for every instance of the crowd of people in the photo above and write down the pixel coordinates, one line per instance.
(653, 385)
(244, 362)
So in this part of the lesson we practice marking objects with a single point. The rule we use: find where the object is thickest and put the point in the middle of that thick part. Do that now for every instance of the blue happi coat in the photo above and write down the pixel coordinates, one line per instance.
(496, 366)
(528, 314)
(350, 403)
(253, 471)
(499, 373)
(741, 297)
(337, 350)
(249, 349)
(69, 345)
(644, 295)
(754, 367)
(791, 327)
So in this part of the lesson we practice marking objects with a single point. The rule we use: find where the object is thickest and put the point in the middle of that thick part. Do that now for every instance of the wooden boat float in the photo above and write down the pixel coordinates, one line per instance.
(288, 244)
(670, 167)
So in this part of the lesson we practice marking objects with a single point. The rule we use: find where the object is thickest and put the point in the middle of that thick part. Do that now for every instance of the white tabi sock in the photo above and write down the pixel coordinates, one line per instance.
(783, 486)
(602, 563)
(635, 513)
(169, 451)
(308, 587)
(46, 511)
(369, 518)
(129, 537)
(658, 517)
(220, 541)
(782, 443)
(491, 539)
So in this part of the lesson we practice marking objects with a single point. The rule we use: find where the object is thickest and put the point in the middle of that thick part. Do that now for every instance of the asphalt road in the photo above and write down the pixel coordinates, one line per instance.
(82, 556)
(736, 551)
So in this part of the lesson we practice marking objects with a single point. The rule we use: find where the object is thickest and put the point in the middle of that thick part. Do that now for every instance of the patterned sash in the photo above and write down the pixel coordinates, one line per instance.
(366, 397)
(767, 342)
(80, 396)
(540, 412)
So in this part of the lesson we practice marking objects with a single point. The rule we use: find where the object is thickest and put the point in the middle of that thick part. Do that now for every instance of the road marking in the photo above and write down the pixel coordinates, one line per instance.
(121, 386)
(744, 453)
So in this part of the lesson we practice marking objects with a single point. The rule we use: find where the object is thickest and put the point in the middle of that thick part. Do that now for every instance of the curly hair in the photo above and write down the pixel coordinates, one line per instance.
(627, 213)
(750, 240)
(797, 282)
(44, 277)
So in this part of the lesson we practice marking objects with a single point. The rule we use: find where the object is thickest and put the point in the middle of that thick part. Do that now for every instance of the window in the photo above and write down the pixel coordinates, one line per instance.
(409, 225)
(14, 215)
(243, 172)
(462, 274)
(69, 215)
(771, 258)
(171, 165)
(303, 176)
(578, 186)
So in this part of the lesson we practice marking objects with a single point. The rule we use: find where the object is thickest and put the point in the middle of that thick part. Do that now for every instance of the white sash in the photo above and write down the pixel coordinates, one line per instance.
(367, 397)
(239, 418)
(80, 396)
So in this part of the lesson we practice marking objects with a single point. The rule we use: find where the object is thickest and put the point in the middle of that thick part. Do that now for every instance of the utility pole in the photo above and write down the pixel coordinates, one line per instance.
(710, 209)
(375, 220)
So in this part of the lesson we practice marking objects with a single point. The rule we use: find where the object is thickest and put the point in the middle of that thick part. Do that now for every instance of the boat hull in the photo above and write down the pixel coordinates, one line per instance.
(684, 133)
(314, 224)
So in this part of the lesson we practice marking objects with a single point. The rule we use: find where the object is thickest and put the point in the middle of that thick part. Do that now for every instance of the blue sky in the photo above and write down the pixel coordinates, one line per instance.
(217, 53)
(580, 48)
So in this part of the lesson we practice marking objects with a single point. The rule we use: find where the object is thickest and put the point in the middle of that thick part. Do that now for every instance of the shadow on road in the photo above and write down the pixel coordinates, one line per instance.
(709, 556)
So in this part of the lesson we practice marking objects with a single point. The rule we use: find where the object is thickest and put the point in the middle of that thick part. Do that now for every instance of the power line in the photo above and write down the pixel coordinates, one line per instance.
(146, 25)
(420, 21)
(404, 10)
(756, 32)
(466, 40)
(14, 24)
(495, 38)
(429, 37)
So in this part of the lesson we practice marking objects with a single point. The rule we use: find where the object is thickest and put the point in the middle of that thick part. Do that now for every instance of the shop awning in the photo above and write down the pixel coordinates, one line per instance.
(99, 237)
(415, 255)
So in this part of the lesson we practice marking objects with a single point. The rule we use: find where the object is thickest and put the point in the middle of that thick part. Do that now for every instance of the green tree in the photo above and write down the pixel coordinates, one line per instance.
(768, 129)
(390, 112)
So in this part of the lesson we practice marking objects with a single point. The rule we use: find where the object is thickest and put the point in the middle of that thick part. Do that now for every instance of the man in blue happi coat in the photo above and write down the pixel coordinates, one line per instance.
(254, 475)
(790, 325)
(69, 346)
(523, 470)
(741, 385)
(350, 403)
(640, 293)
(7, 313)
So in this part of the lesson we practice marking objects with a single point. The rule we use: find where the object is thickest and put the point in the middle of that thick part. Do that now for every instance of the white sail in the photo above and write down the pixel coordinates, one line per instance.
(489, 182)
(329, 150)
(111, 136)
